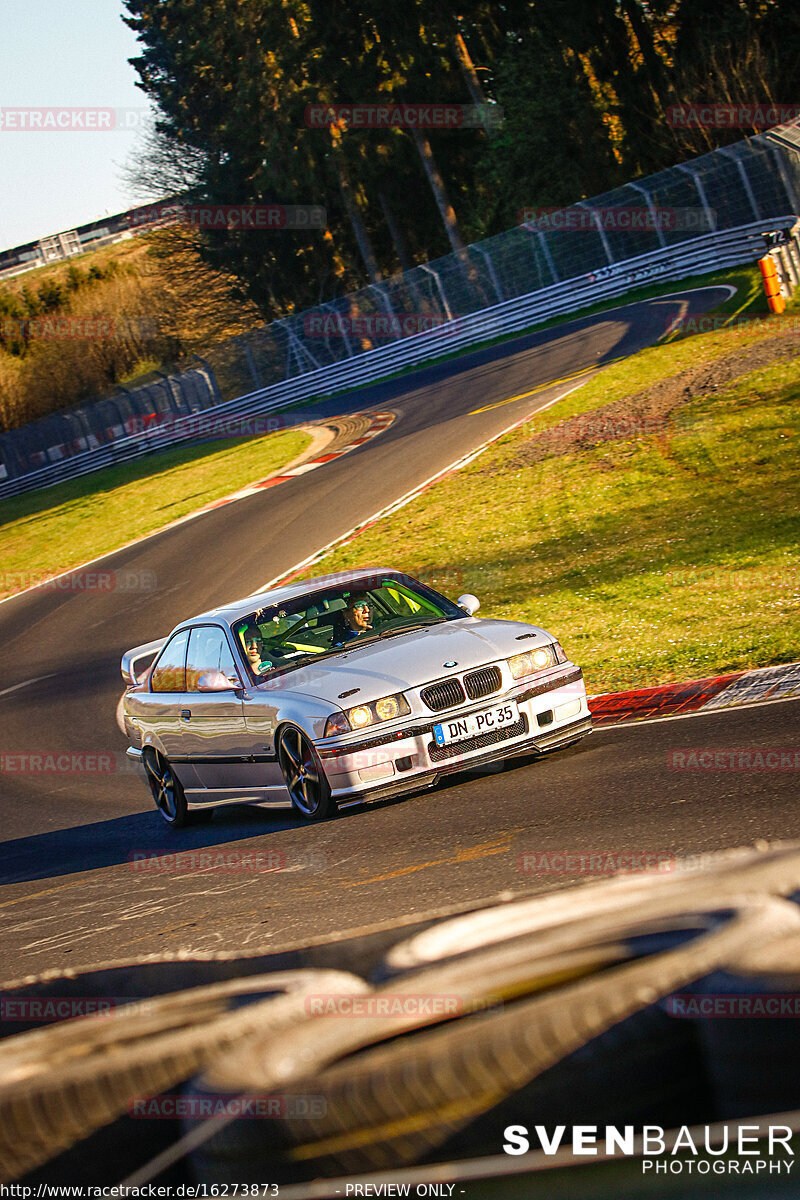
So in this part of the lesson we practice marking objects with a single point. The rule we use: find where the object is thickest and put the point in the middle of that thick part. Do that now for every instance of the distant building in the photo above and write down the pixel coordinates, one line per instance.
(103, 232)
(60, 245)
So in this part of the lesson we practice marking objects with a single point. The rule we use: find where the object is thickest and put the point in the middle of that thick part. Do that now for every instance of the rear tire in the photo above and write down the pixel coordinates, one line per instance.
(169, 796)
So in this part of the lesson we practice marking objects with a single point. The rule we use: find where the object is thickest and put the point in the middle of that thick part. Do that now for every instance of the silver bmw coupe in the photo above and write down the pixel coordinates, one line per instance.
(334, 690)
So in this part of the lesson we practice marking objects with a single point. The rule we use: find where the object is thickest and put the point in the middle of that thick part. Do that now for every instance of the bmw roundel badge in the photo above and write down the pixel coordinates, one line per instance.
(450, 663)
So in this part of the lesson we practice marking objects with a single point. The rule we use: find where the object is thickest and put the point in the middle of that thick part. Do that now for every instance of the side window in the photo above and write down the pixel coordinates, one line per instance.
(169, 674)
(208, 651)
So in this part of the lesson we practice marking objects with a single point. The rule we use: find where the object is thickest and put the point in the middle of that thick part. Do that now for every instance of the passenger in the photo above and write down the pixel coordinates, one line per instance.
(253, 641)
(355, 619)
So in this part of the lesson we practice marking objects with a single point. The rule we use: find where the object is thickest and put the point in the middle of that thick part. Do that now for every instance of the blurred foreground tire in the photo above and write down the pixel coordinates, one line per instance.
(395, 1104)
(60, 1083)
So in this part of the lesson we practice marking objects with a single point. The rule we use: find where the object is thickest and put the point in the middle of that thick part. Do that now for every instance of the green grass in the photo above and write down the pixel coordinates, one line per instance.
(652, 559)
(43, 533)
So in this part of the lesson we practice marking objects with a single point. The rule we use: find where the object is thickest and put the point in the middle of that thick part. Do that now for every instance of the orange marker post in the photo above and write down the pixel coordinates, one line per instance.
(772, 286)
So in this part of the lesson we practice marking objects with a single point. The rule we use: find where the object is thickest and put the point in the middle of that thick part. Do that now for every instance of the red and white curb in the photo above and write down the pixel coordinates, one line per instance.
(379, 423)
(758, 686)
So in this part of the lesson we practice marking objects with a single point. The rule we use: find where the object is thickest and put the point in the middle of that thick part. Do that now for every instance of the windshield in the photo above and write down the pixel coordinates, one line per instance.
(338, 618)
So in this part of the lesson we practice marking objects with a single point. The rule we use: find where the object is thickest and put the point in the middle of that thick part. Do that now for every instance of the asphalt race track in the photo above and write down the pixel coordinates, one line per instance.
(71, 895)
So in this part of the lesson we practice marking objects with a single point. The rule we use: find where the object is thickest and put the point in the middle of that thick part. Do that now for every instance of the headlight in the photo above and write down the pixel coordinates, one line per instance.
(363, 715)
(385, 709)
(535, 660)
(359, 717)
(388, 708)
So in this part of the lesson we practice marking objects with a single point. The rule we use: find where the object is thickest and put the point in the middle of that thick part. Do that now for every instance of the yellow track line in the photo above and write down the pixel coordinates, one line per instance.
(542, 387)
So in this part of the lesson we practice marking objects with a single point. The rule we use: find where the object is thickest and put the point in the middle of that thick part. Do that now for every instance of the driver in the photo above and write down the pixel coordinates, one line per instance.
(356, 619)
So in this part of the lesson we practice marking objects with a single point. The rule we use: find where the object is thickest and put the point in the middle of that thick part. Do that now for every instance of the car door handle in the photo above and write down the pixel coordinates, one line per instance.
(186, 714)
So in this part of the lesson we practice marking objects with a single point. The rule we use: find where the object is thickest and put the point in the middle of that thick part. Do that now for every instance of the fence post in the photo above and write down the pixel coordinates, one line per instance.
(487, 258)
(548, 258)
(648, 199)
(726, 152)
(297, 347)
(345, 338)
(791, 193)
(212, 379)
(442, 294)
(598, 224)
(701, 191)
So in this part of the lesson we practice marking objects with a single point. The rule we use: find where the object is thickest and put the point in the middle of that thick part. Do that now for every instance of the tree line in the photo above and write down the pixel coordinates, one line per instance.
(585, 88)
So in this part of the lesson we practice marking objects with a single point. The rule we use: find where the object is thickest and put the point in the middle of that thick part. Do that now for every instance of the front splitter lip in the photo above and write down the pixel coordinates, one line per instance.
(528, 747)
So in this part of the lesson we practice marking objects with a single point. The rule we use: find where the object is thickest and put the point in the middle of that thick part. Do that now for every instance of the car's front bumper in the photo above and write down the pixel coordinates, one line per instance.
(404, 756)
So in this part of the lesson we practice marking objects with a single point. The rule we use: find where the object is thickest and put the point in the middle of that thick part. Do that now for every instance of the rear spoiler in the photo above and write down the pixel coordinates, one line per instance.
(132, 657)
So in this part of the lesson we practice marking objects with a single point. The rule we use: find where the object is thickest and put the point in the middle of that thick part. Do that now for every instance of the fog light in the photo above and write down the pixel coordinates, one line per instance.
(368, 774)
(571, 709)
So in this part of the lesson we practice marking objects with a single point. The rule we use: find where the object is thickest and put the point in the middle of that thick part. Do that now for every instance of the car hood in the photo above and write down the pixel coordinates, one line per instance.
(409, 660)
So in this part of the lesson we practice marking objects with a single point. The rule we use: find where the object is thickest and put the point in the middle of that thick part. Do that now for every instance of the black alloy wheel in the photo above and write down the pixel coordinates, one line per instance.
(305, 779)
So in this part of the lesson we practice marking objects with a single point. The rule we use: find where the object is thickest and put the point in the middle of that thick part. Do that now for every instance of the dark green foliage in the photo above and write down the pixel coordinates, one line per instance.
(585, 86)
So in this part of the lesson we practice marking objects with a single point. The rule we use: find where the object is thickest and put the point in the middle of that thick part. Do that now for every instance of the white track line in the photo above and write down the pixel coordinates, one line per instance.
(27, 683)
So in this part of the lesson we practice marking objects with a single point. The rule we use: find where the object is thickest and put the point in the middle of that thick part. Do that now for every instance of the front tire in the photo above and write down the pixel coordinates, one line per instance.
(303, 775)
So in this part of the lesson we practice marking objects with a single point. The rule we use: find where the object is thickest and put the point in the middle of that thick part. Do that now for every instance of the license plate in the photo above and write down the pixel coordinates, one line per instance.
(473, 724)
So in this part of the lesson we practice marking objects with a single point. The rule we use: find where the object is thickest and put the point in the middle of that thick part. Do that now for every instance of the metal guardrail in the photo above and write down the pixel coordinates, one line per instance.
(701, 255)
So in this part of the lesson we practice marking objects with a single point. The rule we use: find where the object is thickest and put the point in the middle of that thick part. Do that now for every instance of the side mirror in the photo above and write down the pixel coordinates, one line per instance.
(215, 681)
(469, 603)
(131, 660)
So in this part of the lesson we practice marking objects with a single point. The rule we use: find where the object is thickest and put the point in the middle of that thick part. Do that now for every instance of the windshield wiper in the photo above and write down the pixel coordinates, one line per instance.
(412, 625)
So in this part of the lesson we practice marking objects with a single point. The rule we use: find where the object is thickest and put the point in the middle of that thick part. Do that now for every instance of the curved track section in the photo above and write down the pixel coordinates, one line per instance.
(75, 888)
